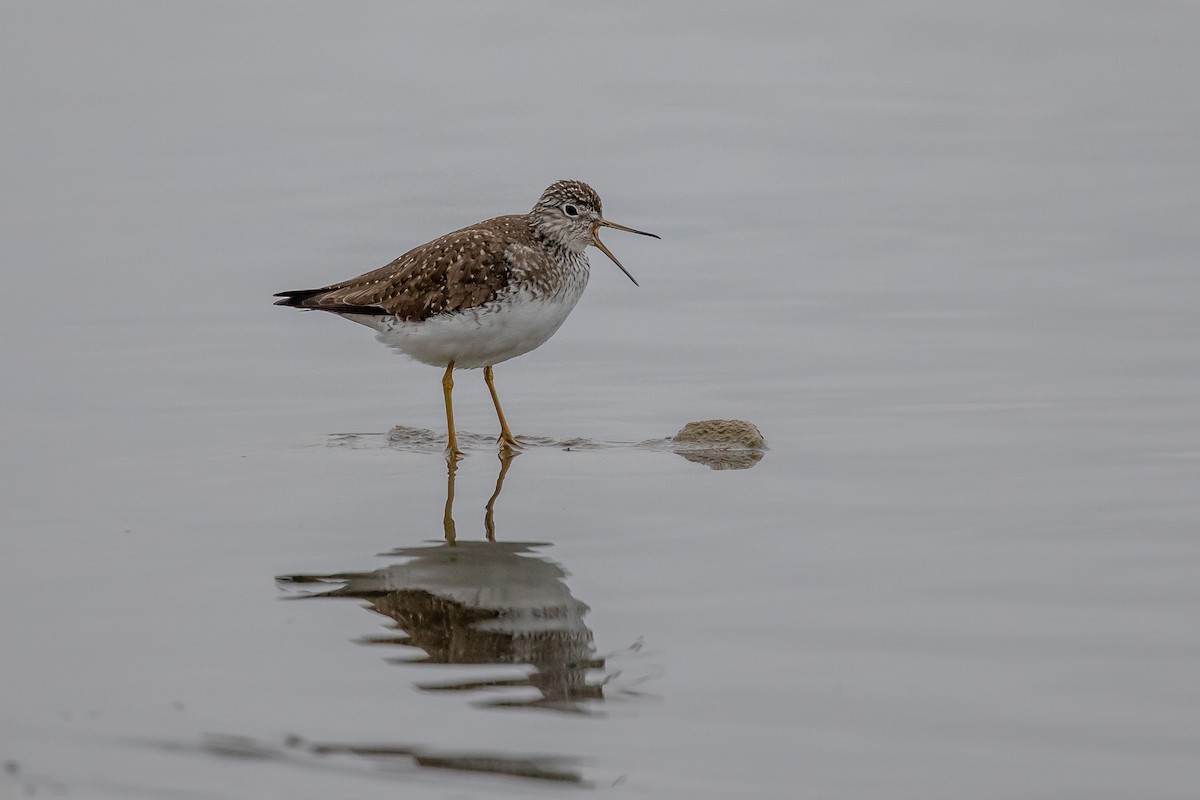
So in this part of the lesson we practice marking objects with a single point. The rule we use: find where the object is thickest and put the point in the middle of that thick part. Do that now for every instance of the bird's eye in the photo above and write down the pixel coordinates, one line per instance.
(570, 210)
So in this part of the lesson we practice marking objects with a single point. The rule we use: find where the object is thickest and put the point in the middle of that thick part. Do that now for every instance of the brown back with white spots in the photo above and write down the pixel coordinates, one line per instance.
(461, 270)
(540, 251)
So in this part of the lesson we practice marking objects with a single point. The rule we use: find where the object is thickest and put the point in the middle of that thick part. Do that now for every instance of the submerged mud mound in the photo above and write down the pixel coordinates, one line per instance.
(720, 443)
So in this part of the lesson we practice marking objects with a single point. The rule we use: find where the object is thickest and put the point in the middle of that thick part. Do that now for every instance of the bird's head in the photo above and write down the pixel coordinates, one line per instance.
(569, 214)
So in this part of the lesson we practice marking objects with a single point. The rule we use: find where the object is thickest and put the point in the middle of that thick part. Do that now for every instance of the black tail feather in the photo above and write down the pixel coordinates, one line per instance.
(298, 298)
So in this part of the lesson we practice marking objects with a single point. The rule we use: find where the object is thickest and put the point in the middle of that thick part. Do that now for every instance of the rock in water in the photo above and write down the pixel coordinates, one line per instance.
(721, 443)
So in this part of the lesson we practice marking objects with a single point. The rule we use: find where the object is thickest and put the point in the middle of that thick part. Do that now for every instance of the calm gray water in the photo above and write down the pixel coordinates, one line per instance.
(944, 255)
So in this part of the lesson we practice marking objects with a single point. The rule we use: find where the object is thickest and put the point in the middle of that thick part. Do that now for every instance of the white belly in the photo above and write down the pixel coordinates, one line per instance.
(477, 337)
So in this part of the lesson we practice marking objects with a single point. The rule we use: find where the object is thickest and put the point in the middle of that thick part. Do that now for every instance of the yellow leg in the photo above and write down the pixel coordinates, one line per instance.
(452, 451)
(507, 440)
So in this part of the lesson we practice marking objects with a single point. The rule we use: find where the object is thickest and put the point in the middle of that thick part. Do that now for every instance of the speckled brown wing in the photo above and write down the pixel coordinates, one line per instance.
(461, 270)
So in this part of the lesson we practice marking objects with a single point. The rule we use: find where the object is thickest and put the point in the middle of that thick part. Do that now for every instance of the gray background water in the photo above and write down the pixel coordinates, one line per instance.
(943, 254)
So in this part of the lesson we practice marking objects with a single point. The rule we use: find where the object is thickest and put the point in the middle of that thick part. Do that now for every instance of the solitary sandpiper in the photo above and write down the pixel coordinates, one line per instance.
(480, 295)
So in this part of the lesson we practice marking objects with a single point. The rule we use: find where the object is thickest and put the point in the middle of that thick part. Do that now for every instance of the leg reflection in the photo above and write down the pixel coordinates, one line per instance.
(448, 515)
(489, 518)
(450, 530)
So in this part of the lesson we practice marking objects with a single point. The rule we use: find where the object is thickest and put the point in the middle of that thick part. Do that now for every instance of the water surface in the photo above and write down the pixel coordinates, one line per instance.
(943, 255)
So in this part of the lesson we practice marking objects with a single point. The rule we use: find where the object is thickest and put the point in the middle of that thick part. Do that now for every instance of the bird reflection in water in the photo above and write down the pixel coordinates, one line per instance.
(483, 602)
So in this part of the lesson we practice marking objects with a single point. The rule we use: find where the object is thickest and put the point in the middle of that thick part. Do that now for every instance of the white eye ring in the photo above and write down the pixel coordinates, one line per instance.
(570, 210)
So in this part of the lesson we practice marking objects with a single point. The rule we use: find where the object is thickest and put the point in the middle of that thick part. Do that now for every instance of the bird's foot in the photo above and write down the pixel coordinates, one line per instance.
(508, 443)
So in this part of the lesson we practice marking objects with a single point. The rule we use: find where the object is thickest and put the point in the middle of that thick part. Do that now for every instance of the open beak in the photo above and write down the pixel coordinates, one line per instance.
(596, 241)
